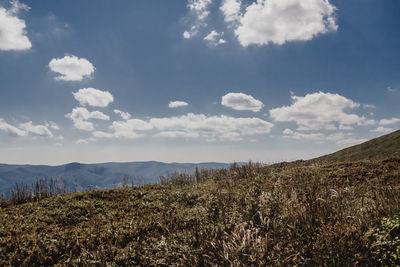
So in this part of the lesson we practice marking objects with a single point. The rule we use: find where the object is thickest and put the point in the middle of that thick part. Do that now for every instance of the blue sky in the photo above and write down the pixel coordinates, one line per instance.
(197, 80)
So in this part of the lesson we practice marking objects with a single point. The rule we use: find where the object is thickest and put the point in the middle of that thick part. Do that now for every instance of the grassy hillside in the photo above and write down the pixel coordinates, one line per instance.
(378, 148)
(336, 214)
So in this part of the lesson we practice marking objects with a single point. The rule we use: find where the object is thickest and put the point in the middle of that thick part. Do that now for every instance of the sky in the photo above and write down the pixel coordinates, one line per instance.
(195, 81)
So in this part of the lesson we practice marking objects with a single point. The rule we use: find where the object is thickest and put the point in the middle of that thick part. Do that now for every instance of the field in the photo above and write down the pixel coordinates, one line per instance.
(300, 213)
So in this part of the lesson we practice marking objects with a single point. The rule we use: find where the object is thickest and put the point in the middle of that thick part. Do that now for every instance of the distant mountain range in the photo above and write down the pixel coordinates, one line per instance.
(102, 175)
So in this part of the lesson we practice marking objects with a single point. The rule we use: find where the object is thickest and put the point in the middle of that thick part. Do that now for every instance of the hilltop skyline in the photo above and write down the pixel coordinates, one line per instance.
(195, 81)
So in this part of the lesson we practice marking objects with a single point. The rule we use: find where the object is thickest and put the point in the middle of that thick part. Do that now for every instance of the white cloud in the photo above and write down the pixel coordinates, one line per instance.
(128, 129)
(71, 68)
(281, 21)
(79, 117)
(198, 11)
(231, 10)
(176, 104)
(11, 130)
(382, 129)
(93, 97)
(38, 130)
(101, 134)
(191, 33)
(25, 129)
(209, 127)
(319, 111)
(189, 126)
(240, 101)
(52, 125)
(389, 121)
(12, 29)
(200, 8)
(124, 115)
(215, 38)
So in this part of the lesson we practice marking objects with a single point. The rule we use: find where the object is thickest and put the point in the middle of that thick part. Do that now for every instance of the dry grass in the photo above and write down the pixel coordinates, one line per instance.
(286, 214)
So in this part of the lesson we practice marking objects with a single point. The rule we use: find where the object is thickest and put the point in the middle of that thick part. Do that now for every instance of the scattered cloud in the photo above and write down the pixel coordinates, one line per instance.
(191, 33)
(93, 97)
(389, 121)
(71, 68)
(214, 38)
(240, 101)
(280, 21)
(25, 129)
(381, 129)
(198, 11)
(209, 127)
(177, 104)
(189, 126)
(231, 10)
(200, 8)
(38, 130)
(10, 129)
(52, 125)
(320, 111)
(80, 117)
(100, 134)
(124, 115)
(12, 29)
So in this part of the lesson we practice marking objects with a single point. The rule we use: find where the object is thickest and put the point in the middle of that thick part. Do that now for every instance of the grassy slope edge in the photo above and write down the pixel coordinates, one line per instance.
(378, 148)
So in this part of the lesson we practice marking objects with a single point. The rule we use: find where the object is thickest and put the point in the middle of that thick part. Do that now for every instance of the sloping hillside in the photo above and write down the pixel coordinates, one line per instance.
(299, 215)
(378, 148)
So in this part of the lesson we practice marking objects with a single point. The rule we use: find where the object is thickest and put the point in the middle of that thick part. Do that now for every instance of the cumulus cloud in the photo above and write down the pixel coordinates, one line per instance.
(208, 127)
(71, 68)
(80, 117)
(191, 33)
(200, 8)
(231, 10)
(52, 125)
(124, 115)
(240, 101)
(389, 121)
(177, 104)
(25, 129)
(280, 21)
(12, 29)
(319, 111)
(38, 130)
(93, 97)
(128, 129)
(189, 126)
(214, 38)
(10, 129)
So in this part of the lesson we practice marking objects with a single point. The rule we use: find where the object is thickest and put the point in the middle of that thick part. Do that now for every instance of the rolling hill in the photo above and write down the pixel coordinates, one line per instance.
(377, 148)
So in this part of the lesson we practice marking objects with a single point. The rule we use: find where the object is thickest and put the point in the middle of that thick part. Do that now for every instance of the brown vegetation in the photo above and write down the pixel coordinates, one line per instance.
(286, 214)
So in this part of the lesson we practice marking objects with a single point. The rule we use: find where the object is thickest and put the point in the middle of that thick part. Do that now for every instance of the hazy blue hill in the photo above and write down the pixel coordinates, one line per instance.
(102, 175)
